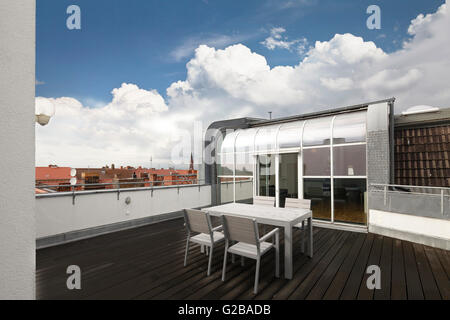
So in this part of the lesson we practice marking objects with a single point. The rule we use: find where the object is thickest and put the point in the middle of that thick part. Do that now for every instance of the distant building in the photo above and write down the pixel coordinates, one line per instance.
(111, 177)
(52, 176)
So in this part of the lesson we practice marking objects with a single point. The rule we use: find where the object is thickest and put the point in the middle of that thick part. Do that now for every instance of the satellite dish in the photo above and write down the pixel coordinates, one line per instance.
(419, 109)
(73, 181)
(73, 172)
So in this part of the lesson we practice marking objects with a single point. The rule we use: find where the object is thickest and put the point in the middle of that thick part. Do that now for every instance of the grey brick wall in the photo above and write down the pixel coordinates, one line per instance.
(378, 162)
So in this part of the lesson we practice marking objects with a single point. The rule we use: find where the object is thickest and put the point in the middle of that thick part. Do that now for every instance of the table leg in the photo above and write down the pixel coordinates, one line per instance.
(288, 262)
(310, 237)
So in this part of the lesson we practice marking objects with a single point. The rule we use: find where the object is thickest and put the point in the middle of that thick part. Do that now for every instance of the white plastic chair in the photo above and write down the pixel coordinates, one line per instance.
(264, 201)
(299, 204)
(199, 221)
(249, 244)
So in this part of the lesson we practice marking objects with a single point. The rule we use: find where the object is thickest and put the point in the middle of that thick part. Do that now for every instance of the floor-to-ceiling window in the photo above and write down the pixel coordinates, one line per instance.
(316, 158)
(225, 168)
(349, 168)
(265, 146)
(266, 175)
(244, 165)
(288, 176)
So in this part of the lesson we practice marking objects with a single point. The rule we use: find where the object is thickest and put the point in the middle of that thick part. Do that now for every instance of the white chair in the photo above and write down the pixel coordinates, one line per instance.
(264, 201)
(245, 233)
(199, 221)
(299, 204)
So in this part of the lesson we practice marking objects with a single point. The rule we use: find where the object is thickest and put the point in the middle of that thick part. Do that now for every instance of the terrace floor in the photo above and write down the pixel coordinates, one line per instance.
(147, 263)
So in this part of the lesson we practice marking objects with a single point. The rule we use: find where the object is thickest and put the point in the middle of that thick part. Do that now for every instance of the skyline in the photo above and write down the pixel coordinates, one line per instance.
(169, 68)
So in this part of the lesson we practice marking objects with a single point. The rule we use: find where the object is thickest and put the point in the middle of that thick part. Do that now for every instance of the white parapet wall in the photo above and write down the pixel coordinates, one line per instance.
(17, 86)
(424, 230)
(62, 214)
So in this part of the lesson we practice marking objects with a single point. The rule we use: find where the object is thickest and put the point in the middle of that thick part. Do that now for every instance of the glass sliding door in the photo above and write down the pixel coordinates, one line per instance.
(349, 168)
(350, 200)
(318, 190)
(288, 177)
(266, 175)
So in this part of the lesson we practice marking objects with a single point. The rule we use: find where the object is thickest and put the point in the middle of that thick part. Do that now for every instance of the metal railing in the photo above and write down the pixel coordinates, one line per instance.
(154, 185)
(406, 196)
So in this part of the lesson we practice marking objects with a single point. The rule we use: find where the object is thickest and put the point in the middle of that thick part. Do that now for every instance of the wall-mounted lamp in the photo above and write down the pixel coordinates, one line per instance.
(44, 110)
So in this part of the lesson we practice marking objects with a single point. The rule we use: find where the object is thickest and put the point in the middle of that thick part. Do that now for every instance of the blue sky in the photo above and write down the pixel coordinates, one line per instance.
(149, 42)
(141, 77)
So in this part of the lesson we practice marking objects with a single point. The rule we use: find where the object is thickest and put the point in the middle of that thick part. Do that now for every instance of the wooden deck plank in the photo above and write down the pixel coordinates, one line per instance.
(351, 288)
(335, 289)
(374, 260)
(439, 275)
(298, 278)
(319, 289)
(429, 286)
(386, 271)
(302, 291)
(413, 285)
(269, 291)
(398, 281)
(147, 263)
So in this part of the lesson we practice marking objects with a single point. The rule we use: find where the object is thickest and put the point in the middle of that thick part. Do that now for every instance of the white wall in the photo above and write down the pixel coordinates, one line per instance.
(57, 215)
(428, 231)
(17, 81)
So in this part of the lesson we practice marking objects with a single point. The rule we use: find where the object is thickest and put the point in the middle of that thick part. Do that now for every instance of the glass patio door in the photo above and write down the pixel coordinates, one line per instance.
(266, 175)
(288, 177)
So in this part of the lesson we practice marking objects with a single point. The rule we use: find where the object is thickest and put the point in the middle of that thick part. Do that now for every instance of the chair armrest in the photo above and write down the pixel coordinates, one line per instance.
(270, 234)
(217, 228)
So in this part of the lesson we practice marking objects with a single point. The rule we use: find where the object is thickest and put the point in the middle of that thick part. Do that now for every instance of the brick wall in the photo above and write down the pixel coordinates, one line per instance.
(422, 156)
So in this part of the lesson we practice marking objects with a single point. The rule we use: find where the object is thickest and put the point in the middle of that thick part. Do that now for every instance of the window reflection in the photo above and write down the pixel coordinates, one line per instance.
(226, 189)
(319, 191)
(244, 164)
(288, 177)
(244, 190)
(266, 165)
(349, 200)
(349, 160)
(225, 164)
(316, 162)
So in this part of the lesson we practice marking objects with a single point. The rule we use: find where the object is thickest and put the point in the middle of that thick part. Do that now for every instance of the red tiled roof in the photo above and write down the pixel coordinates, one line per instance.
(52, 173)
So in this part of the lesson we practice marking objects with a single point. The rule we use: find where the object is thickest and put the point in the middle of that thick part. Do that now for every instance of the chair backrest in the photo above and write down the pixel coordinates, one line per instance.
(197, 221)
(241, 229)
(264, 201)
(297, 203)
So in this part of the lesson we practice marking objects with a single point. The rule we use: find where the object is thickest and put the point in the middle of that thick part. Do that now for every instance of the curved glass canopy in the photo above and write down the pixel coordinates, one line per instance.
(347, 128)
(290, 135)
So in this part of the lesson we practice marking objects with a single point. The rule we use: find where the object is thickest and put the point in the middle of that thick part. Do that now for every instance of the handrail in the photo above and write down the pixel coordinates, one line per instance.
(407, 186)
(74, 193)
(153, 182)
(385, 190)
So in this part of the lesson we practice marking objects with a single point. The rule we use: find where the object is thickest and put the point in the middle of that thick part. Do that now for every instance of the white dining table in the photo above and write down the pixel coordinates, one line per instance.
(280, 217)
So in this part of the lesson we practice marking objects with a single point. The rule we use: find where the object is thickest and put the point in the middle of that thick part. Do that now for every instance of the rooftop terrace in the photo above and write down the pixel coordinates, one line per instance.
(147, 263)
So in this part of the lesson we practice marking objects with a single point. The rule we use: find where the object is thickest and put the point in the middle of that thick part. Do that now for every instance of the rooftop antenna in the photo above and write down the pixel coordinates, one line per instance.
(270, 115)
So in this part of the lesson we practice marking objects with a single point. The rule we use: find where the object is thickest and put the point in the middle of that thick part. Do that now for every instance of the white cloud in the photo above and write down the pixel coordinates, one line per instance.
(187, 48)
(277, 40)
(236, 82)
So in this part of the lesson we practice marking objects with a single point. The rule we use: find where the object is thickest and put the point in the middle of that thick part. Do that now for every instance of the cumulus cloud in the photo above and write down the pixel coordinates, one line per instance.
(187, 48)
(236, 82)
(277, 40)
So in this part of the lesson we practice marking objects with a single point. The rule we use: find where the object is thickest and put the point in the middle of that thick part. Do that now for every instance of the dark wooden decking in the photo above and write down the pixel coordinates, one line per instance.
(147, 263)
